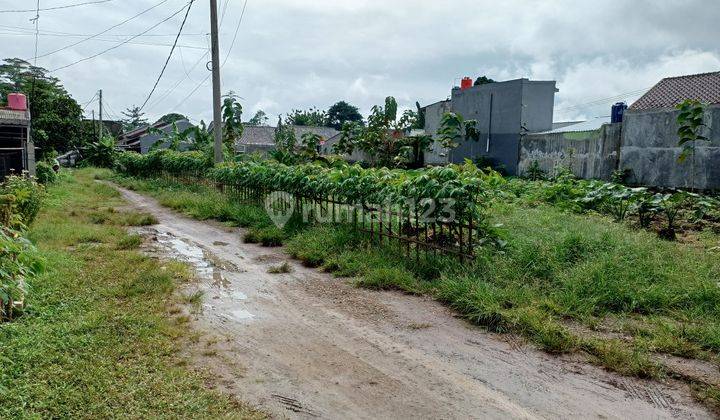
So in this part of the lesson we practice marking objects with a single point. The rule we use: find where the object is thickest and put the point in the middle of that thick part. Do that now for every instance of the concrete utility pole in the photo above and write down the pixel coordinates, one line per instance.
(101, 119)
(217, 117)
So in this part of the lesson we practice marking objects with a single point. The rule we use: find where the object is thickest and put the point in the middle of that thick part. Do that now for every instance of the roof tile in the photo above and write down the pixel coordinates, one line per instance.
(671, 91)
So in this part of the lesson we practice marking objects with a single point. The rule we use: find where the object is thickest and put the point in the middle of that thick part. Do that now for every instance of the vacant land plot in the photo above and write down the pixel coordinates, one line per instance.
(583, 284)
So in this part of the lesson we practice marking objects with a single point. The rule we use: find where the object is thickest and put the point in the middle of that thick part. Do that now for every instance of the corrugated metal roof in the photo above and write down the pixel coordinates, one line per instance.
(704, 87)
(589, 125)
(11, 116)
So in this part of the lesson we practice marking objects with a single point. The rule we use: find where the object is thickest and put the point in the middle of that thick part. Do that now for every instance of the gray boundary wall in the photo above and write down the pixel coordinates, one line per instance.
(589, 154)
(650, 151)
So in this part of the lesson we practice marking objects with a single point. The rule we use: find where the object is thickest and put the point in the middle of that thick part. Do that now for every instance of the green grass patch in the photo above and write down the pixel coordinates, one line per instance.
(96, 339)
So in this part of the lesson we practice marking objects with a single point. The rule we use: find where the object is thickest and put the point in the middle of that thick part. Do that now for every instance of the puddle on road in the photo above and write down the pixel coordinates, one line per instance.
(207, 266)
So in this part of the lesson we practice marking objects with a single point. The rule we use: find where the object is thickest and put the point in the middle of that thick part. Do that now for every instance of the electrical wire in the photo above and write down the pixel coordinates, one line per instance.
(67, 6)
(602, 101)
(237, 28)
(105, 31)
(123, 42)
(90, 101)
(151, 44)
(22, 30)
(172, 50)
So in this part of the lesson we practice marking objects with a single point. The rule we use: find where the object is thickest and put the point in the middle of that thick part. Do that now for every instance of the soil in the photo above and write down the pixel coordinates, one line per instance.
(305, 344)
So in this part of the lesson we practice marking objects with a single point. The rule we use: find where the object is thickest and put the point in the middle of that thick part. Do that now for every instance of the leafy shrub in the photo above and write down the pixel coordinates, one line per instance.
(44, 173)
(101, 153)
(21, 200)
(267, 236)
(18, 263)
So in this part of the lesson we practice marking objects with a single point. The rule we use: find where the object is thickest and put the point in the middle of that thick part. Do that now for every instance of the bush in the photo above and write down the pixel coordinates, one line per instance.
(267, 236)
(45, 174)
(18, 263)
(21, 201)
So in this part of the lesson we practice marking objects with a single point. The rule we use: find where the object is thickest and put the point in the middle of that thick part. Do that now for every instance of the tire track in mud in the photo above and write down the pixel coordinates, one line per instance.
(306, 345)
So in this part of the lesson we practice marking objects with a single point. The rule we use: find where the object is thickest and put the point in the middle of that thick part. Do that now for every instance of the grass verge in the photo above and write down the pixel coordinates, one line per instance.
(96, 340)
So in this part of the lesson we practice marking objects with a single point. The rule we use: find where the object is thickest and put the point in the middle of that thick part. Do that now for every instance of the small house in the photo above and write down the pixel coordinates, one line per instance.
(141, 140)
(17, 151)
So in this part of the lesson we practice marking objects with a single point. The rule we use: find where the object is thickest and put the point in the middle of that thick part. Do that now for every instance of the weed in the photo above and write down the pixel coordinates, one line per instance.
(129, 242)
(285, 267)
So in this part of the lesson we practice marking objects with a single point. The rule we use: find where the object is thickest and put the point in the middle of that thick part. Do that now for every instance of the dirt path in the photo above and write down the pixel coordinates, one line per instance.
(304, 344)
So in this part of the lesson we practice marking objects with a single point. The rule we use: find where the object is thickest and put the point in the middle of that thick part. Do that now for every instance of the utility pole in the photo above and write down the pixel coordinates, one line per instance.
(217, 118)
(101, 119)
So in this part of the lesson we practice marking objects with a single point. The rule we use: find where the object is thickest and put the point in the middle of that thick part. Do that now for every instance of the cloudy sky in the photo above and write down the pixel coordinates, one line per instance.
(298, 54)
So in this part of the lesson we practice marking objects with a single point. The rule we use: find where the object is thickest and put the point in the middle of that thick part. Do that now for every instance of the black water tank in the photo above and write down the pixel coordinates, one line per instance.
(616, 115)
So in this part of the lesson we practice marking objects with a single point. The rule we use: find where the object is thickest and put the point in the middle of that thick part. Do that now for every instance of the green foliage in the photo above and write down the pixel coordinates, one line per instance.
(193, 163)
(171, 118)
(100, 153)
(690, 122)
(134, 118)
(260, 118)
(342, 112)
(44, 173)
(384, 140)
(483, 80)
(534, 172)
(465, 184)
(312, 117)
(56, 116)
(232, 121)
(454, 129)
(269, 236)
(20, 201)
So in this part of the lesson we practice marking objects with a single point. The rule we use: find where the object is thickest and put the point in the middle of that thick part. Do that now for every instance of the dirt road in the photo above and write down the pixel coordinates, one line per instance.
(305, 344)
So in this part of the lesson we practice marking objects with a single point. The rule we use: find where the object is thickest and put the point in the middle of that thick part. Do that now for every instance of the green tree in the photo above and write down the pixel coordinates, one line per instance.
(384, 140)
(171, 118)
(232, 120)
(56, 116)
(312, 117)
(342, 112)
(691, 122)
(483, 80)
(260, 118)
(134, 119)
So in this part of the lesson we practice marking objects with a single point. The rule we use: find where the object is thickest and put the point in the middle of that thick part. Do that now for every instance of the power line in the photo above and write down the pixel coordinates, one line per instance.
(67, 6)
(37, 31)
(172, 50)
(151, 44)
(20, 30)
(187, 76)
(90, 101)
(123, 42)
(105, 31)
(237, 28)
(602, 101)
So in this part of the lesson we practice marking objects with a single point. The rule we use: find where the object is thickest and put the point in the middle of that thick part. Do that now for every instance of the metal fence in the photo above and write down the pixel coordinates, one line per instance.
(406, 228)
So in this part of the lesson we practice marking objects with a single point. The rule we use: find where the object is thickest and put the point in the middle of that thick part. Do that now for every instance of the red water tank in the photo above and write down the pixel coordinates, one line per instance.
(466, 83)
(17, 101)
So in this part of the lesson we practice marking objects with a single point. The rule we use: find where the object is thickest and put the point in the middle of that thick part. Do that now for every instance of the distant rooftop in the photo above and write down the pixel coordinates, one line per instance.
(577, 126)
(704, 87)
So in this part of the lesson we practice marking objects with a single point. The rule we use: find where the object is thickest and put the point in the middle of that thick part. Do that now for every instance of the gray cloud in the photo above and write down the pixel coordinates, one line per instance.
(292, 54)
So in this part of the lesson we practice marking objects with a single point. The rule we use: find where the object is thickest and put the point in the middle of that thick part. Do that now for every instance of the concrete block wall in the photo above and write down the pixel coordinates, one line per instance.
(589, 154)
(650, 151)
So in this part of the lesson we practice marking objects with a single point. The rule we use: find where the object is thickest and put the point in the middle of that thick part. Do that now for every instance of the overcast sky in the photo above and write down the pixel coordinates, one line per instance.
(298, 54)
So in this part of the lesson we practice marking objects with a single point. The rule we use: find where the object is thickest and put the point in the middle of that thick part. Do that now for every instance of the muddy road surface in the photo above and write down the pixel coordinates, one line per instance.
(306, 345)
